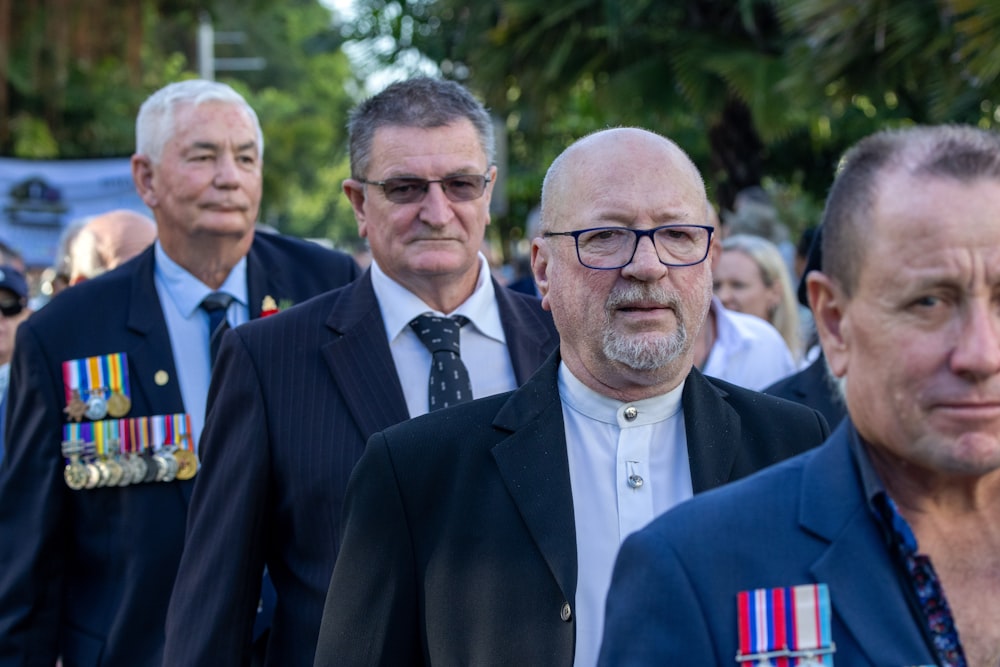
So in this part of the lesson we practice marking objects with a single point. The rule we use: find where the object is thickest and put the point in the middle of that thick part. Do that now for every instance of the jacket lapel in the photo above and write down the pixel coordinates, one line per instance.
(361, 362)
(150, 357)
(861, 592)
(534, 457)
(527, 332)
(713, 432)
(264, 279)
(151, 361)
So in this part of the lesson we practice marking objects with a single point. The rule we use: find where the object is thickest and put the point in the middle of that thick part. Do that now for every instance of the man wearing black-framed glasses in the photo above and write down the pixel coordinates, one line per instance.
(486, 533)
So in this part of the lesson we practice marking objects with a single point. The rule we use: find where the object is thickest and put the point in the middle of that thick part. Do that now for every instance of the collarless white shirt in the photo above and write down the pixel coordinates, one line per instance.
(187, 325)
(482, 341)
(628, 463)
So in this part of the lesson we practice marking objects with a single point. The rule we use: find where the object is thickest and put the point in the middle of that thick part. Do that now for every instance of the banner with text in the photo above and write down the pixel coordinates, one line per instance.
(40, 198)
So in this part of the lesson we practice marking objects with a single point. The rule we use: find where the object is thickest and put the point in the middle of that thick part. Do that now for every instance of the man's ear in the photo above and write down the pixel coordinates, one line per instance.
(715, 252)
(356, 195)
(829, 306)
(142, 175)
(540, 268)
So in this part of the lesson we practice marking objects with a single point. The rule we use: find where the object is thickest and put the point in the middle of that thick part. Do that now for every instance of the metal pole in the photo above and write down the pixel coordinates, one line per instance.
(206, 47)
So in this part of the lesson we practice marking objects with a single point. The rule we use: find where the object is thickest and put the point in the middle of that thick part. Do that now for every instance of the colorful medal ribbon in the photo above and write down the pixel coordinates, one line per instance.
(158, 427)
(119, 402)
(785, 627)
(93, 378)
(96, 386)
(80, 434)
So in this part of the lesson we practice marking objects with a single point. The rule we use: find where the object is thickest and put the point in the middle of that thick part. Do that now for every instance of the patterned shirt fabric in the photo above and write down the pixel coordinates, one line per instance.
(914, 568)
(925, 583)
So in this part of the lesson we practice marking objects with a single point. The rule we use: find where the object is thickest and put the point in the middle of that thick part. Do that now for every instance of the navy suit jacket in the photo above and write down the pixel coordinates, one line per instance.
(297, 397)
(673, 596)
(460, 542)
(88, 574)
(812, 386)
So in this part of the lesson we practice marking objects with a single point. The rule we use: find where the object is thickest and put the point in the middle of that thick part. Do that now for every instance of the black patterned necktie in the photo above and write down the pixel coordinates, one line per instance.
(215, 304)
(449, 382)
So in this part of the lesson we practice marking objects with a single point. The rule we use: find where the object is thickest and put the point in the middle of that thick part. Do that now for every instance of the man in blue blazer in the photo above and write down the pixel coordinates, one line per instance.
(298, 394)
(108, 392)
(486, 533)
(882, 546)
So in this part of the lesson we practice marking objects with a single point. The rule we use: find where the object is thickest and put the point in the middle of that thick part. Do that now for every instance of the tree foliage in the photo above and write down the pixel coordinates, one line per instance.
(757, 91)
(74, 74)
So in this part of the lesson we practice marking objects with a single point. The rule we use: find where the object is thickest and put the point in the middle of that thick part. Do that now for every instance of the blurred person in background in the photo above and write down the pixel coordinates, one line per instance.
(105, 241)
(13, 310)
(737, 347)
(813, 385)
(751, 277)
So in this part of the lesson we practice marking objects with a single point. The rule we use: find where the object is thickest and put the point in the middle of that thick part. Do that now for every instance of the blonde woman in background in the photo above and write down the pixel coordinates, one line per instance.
(751, 277)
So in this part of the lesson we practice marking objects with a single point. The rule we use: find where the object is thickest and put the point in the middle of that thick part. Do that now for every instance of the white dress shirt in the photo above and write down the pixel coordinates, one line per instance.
(180, 299)
(483, 343)
(628, 463)
(748, 351)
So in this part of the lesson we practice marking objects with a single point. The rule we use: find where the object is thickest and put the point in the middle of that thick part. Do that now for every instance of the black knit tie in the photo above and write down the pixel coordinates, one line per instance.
(215, 304)
(449, 379)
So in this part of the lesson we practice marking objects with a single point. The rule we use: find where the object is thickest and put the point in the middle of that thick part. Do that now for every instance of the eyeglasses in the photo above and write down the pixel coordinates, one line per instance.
(11, 308)
(608, 248)
(464, 187)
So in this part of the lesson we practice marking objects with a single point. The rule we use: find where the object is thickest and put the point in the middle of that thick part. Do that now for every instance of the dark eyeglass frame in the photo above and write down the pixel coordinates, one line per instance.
(639, 235)
(422, 187)
(12, 309)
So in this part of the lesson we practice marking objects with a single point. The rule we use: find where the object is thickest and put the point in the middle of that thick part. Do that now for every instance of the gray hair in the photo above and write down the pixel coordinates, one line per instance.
(421, 102)
(959, 152)
(155, 123)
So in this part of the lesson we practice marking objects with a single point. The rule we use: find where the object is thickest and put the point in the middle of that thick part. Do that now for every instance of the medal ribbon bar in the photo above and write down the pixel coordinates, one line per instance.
(785, 627)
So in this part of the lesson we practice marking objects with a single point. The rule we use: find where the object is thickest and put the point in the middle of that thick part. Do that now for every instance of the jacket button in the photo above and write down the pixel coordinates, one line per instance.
(566, 613)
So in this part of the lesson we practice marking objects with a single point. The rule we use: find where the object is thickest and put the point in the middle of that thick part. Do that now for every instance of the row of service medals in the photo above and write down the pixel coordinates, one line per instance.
(97, 387)
(121, 452)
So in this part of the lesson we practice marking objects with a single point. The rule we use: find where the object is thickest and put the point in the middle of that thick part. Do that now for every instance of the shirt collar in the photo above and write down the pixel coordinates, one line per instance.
(880, 503)
(581, 398)
(399, 305)
(187, 291)
(871, 483)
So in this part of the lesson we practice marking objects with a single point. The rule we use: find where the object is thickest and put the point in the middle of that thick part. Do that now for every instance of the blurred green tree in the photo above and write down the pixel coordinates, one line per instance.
(758, 91)
(73, 74)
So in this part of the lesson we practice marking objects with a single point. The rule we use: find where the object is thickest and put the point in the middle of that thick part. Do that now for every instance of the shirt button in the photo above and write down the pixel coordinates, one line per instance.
(631, 413)
(566, 613)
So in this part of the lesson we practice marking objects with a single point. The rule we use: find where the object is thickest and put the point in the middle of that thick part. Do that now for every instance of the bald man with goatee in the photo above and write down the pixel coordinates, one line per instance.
(486, 533)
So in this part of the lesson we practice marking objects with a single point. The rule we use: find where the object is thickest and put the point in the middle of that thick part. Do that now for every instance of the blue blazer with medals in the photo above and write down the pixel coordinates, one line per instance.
(805, 521)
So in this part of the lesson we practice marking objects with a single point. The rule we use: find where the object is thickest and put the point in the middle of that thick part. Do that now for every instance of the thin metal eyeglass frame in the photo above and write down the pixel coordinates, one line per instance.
(427, 186)
(639, 234)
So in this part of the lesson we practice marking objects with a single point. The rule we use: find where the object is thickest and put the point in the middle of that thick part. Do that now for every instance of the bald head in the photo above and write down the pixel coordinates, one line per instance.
(108, 240)
(626, 332)
(585, 166)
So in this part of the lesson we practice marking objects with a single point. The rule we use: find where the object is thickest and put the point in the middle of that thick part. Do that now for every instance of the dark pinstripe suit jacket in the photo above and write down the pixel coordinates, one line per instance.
(293, 402)
(88, 573)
